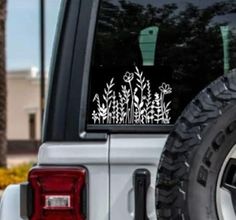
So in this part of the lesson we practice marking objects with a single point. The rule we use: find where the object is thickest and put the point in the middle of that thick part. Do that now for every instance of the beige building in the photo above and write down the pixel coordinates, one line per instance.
(23, 106)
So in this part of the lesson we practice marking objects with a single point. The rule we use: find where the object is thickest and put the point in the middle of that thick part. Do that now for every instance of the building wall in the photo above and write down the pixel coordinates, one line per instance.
(23, 92)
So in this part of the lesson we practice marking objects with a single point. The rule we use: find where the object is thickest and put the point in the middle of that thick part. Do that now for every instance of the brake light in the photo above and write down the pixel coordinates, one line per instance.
(57, 193)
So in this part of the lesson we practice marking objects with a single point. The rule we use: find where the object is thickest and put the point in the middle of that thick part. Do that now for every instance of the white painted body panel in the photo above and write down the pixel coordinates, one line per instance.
(110, 166)
(128, 153)
(87, 153)
(10, 203)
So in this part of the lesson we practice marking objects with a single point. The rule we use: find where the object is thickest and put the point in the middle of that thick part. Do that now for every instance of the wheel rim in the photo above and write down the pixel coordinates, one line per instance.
(226, 188)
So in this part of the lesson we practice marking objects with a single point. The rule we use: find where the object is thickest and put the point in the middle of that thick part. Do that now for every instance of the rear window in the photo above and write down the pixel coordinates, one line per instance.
(151, 57)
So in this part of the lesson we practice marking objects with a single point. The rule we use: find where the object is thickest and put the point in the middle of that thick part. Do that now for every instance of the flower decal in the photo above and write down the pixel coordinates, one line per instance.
(134, 104)
(128, 77)
(165, 88)
(156, 95)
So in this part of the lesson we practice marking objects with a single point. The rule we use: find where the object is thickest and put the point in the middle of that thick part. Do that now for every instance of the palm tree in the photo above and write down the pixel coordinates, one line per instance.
(3, 93)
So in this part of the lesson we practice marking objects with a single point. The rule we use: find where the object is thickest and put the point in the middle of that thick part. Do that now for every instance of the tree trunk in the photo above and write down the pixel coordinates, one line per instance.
(3, 93)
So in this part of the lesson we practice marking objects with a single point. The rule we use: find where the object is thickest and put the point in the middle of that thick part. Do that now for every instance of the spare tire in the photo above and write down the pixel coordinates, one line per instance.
(197, 173)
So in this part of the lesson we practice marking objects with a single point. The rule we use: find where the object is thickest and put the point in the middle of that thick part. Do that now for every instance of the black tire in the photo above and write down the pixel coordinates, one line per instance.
(194, 153)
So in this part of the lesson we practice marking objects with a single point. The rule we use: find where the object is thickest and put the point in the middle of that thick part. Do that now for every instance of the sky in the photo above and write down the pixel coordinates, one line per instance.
(22, 32)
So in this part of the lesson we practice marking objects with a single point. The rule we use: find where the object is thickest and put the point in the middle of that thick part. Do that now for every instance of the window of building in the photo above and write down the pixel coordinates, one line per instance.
(152, 57)
(32, 126)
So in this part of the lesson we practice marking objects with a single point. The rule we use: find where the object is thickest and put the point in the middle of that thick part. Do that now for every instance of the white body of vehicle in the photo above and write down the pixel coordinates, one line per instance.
(111, 166)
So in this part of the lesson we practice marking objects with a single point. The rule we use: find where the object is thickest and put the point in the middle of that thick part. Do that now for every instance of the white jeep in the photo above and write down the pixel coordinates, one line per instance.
(119, 140)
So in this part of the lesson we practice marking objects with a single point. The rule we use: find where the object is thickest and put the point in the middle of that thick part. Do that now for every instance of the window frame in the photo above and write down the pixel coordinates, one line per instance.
(81, 73)
(66, 113)
(66, 109)
(60, 72)
(75, 126)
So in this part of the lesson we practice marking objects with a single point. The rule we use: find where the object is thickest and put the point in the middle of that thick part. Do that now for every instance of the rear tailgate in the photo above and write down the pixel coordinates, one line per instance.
(133, 169)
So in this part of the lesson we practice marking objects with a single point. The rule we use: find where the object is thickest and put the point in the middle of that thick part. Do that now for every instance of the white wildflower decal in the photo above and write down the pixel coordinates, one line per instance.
(133, 104)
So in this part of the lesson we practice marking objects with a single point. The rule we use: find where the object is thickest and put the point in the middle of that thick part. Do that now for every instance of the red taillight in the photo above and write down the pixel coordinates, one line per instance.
(57, 193)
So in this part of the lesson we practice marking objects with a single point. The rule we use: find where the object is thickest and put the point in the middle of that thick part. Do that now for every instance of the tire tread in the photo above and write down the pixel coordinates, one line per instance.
(185, 137)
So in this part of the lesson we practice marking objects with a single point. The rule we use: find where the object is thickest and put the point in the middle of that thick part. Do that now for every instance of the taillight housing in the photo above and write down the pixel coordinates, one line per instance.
(57, 193)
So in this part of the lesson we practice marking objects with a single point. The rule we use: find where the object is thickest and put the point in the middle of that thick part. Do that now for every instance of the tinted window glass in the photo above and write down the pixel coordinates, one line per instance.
(151, 57)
